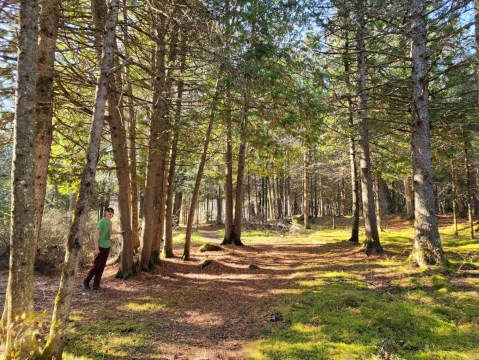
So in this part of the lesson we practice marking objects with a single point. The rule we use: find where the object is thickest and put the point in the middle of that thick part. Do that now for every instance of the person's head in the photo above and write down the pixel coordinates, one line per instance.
(109, 212)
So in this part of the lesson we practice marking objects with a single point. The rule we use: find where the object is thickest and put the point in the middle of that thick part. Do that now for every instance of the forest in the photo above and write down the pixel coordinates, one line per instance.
(290, 179)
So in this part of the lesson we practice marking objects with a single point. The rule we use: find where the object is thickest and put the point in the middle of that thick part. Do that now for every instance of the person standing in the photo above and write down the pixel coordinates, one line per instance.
(101, 250)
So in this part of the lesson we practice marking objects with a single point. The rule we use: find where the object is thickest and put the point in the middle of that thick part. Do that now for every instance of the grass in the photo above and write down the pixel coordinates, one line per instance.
(409, 314)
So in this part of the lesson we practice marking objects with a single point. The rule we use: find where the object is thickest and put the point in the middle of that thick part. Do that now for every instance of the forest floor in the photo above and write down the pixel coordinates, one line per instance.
(309, 295)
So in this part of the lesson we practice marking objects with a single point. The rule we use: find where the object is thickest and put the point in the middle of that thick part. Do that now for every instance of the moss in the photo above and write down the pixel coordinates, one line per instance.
(210, 247)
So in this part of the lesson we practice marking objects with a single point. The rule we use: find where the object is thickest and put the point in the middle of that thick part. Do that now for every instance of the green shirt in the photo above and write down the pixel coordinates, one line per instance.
(105, 231)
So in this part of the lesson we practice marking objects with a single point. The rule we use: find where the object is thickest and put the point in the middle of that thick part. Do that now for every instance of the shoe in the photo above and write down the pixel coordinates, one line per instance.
(86, 285)
(95, 287)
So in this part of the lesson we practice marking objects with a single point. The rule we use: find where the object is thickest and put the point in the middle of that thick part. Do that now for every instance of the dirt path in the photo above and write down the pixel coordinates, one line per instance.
(183, 311)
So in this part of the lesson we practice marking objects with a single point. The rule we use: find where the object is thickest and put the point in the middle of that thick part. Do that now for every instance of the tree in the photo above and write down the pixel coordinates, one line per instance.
(372, 244)
(57, 336)
(19, 294)
(427, 248)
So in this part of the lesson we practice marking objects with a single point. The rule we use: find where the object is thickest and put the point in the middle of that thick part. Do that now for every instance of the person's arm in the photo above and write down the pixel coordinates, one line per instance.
(96, 249)
(118, 232)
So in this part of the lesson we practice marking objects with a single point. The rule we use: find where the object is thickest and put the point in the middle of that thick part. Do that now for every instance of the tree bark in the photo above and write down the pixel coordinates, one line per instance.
(19, 293)
(379, 199)
(61, 311)
(49, 20)
(427, 248)
(470, 183)
(156, 151)
(409, 194)
(372, 243)
(354, 185)
(238, 217)
(135, 235)
(229, 174)
(177, 207)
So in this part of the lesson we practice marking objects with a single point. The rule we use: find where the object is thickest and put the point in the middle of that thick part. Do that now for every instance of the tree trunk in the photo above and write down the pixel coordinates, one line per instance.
(168, 248)
(120, 152)
(199, 175)
(372, 244)
(238, 217)
(49, 20)
(177, 207)
(409, 194)
(135, 235)
(378, 199)
(427, 248)
(219, 206)
(321, 198)
(454, 198)
(19, 293)
(470, 183)
(156, 151)
(229, 174)
(306, 194)
(61, 311)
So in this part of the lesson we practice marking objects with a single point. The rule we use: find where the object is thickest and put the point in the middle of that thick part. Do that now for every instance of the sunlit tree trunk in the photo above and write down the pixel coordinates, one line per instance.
(372, 244)
(19, 293)
(427, 248)
(61, 311)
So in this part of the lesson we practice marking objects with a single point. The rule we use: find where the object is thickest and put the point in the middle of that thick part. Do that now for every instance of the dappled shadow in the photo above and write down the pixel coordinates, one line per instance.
(184, 311)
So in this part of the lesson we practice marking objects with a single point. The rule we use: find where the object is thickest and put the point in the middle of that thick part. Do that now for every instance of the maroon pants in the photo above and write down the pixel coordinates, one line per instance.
(98, 266)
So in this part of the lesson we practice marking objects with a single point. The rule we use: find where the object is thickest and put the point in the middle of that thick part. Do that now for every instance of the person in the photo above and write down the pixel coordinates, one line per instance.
(101, 249)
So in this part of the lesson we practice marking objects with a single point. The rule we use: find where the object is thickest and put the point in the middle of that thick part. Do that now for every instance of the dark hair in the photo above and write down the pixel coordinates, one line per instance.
(109, 209)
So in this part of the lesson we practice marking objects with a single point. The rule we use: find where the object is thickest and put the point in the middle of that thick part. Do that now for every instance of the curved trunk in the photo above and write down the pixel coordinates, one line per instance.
(199, 175)
(61, 311)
